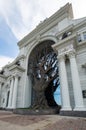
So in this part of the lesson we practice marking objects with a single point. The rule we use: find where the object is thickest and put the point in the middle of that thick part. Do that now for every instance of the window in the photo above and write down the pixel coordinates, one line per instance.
(66, 34)
(84, 93)
(84, 35)
(79, 38)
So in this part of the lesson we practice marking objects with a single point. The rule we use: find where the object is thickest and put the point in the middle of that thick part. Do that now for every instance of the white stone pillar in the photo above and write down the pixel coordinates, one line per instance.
(64, 85)
(79, 105)
(0, 93)
(15, 92)
(0, 88)
(27, 92)
(11, 93)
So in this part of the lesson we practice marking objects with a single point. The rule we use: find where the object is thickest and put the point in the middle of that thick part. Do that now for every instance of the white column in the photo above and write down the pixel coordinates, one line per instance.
(27, 92)
(79, 105)
(11, 93)
(64, 85)
(15, 92)
(0, 88)
(0, 93)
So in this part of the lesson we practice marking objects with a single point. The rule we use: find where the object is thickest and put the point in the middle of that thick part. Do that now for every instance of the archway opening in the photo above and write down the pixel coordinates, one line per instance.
(43, 70)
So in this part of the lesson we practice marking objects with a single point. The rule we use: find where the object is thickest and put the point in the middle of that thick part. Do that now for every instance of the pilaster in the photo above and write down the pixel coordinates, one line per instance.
(11, 93)
(0, 93)
(14, 100)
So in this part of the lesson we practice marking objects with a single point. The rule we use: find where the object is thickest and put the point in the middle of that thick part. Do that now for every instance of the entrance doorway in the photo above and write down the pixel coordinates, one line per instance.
(43, 70)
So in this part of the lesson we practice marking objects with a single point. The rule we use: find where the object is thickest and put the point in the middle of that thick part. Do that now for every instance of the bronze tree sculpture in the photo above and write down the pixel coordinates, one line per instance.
(43, 68)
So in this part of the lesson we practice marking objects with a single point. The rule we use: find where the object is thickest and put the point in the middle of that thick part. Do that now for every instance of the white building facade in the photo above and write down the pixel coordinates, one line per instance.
(69, 37)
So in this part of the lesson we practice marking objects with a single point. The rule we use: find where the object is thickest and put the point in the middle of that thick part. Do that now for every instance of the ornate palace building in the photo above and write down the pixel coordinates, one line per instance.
(52, 55)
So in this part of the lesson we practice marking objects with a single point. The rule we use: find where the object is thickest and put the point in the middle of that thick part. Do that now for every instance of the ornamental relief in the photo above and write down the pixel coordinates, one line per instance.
(66, 50)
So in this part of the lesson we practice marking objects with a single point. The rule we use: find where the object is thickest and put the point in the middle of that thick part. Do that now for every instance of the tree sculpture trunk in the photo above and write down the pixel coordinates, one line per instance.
(44, 70)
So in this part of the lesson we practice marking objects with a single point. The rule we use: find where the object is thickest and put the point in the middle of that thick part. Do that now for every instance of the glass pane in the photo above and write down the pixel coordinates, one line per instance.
(79, 38)
(84, 34)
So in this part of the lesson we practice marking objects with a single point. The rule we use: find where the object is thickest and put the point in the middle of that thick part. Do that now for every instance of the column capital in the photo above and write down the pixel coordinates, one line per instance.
(72, 53)
(17, 75)
(61, 57)
(11, 77)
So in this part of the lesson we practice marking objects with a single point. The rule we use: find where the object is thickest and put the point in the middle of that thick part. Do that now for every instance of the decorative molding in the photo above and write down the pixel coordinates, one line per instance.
(16, 71)
(71, 54)
(66, 50)
(61, 57)
(63, 12)
(16, 74)
(16, 67)
(18, 58)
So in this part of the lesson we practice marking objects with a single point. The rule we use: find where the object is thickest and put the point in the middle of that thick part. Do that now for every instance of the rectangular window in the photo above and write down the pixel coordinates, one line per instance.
(84, 93)
(79, 38)
(84, 35)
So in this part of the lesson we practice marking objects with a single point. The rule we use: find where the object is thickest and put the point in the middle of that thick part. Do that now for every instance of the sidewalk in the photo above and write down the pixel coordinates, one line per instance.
(10, 121)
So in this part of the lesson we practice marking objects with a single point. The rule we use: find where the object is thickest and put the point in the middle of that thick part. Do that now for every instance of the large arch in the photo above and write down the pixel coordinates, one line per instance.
(46, 98)
(39, 39)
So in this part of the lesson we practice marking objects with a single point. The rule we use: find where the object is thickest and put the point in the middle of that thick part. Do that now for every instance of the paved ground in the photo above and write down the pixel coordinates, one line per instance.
(10, 121)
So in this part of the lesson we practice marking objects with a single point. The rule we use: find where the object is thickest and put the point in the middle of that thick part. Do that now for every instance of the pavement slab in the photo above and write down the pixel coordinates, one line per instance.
(10, 121)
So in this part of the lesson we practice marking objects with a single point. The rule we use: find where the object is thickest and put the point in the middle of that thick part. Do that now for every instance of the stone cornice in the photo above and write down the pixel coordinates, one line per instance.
(48, 23)
(69, 28)
(72, 27)
(16, 67)
(82, 23)
(16, 71)
(18, 58)
(34, 34)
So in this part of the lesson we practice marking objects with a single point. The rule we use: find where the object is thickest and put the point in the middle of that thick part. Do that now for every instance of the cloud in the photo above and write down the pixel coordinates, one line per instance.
(5, 60)
(23, 15)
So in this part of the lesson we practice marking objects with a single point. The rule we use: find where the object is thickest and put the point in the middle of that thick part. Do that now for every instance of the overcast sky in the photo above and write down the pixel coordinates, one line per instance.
(19, 17)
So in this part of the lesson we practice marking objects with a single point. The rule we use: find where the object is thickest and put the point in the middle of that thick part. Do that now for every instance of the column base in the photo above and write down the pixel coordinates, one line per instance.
(66, 109)
(79, 108)
(13, 107)
(73, 113)
(8, 107)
